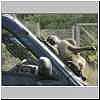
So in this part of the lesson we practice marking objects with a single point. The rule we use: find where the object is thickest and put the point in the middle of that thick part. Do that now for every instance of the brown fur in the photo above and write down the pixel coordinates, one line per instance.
(66, 54)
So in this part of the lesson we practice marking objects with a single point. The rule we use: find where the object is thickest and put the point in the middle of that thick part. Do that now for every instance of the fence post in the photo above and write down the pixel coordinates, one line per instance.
(73, 32)
(78, 35)
(38, 33)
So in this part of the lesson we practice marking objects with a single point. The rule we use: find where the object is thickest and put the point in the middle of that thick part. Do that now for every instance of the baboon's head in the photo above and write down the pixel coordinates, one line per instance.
(45, 66)
(53, 39)
(79, 61)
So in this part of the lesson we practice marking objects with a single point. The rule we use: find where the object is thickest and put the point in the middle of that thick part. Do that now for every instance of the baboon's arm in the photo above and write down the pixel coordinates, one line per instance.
(79, 49)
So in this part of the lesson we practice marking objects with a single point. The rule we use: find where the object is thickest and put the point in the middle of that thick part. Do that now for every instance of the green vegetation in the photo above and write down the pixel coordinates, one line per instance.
(8, 61)
(62, 25)
(58, 21)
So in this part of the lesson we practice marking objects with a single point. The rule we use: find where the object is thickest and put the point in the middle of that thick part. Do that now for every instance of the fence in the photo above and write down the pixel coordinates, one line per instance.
(83, 33)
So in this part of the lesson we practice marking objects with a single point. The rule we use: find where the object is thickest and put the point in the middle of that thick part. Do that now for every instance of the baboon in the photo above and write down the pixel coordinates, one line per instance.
(45, 67)
(68, 51)
(42, 69)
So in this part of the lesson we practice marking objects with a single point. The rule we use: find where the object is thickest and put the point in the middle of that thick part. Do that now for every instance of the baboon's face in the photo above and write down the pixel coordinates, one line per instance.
(81, 66)
(79, 61)
(45, 67)
(53, 40)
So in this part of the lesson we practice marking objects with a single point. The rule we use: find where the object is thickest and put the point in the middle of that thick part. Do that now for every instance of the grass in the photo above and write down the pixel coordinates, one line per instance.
(8, 61)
